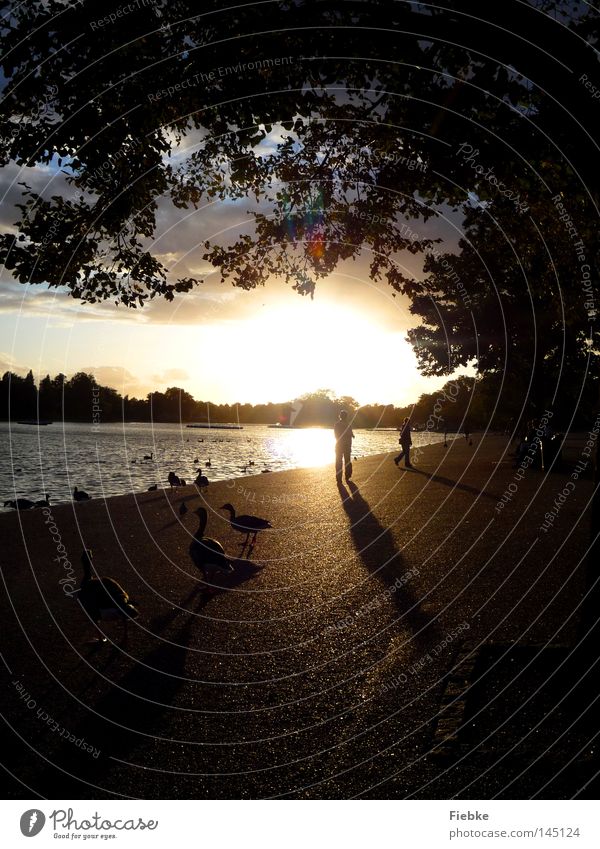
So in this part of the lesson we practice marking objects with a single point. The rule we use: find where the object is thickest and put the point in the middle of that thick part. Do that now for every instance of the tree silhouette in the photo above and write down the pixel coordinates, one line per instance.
(352, 126)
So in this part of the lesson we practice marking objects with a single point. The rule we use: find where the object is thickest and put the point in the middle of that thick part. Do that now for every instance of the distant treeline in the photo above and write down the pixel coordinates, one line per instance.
(461, 402)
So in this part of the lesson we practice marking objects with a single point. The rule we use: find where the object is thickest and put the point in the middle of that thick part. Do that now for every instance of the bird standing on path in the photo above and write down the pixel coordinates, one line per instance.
(104, 598)
(246, 524)
(174, 481)
(208, 554)
(201, 480)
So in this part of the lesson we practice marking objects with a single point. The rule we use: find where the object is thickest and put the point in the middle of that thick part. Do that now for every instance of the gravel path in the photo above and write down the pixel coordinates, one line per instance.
(319, 671)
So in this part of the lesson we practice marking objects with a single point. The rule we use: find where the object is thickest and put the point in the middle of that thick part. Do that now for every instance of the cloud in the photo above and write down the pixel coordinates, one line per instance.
(169, 375)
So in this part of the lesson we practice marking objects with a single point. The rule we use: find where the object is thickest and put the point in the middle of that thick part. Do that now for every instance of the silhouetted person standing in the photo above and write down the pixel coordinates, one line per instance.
(343, 446)
(405, 441)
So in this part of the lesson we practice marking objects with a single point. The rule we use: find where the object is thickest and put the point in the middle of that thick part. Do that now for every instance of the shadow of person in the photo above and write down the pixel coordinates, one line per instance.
(376, 548)
(472, 490)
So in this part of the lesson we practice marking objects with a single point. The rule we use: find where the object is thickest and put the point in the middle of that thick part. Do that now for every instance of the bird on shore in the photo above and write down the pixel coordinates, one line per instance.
(174, 481)
(246, 524)
(201, 480)
(80, 495)
(153, 488)
(183, 509)
(20, 504)
(207, 554)
(265, 471)
(104, 598)
(43, 502)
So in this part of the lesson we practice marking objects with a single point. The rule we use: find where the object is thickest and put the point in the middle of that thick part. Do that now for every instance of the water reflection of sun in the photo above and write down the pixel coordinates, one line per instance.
(305, 447)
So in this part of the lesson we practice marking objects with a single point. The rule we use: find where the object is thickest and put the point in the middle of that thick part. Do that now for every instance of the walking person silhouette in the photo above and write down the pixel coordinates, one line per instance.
(405, 441)
(343, 446)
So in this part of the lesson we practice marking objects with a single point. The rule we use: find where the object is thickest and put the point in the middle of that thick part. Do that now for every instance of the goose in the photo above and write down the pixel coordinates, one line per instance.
(43, 502)
(133, 462)
(149, 456)
(201, 480)
(207, 554)
(103, 598)
(80, 495)
(208, 464)
(20, 504)
(265, 471)
(183, 509)
(246, 524)
(243, 468)
(196, 461)
(174, 481)
(251, 462)
(153, 488)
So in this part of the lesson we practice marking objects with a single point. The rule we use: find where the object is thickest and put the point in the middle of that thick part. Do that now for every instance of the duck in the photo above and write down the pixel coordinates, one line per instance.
(43, 502)
(246, 524)
(250, 462)
(207, 554)
(104, 598)
(153, 488)
(149, 456)
(183, 509)
(80, 495)
(201, 480)
(265, 471)
(20, 504)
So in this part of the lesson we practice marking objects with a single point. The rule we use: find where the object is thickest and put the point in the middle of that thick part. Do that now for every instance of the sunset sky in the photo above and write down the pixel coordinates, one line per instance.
(219, 343)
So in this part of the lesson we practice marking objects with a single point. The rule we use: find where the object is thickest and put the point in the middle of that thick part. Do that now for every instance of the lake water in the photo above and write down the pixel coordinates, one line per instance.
(109, 460)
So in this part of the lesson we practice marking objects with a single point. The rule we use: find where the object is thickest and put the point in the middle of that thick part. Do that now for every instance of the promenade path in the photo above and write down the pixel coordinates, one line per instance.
(320, 670)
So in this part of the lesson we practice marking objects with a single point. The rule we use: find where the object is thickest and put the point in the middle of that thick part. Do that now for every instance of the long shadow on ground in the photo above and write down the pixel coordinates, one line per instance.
(376, 548)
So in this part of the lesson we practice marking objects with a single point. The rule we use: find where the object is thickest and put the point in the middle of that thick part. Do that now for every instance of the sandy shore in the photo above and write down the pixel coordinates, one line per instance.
(319, 671)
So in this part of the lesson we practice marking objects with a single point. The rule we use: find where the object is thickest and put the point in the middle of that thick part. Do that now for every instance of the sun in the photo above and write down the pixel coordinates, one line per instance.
(285, 351)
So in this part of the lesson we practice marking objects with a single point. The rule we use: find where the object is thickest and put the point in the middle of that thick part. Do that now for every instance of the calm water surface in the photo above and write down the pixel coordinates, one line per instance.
(109, 460)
